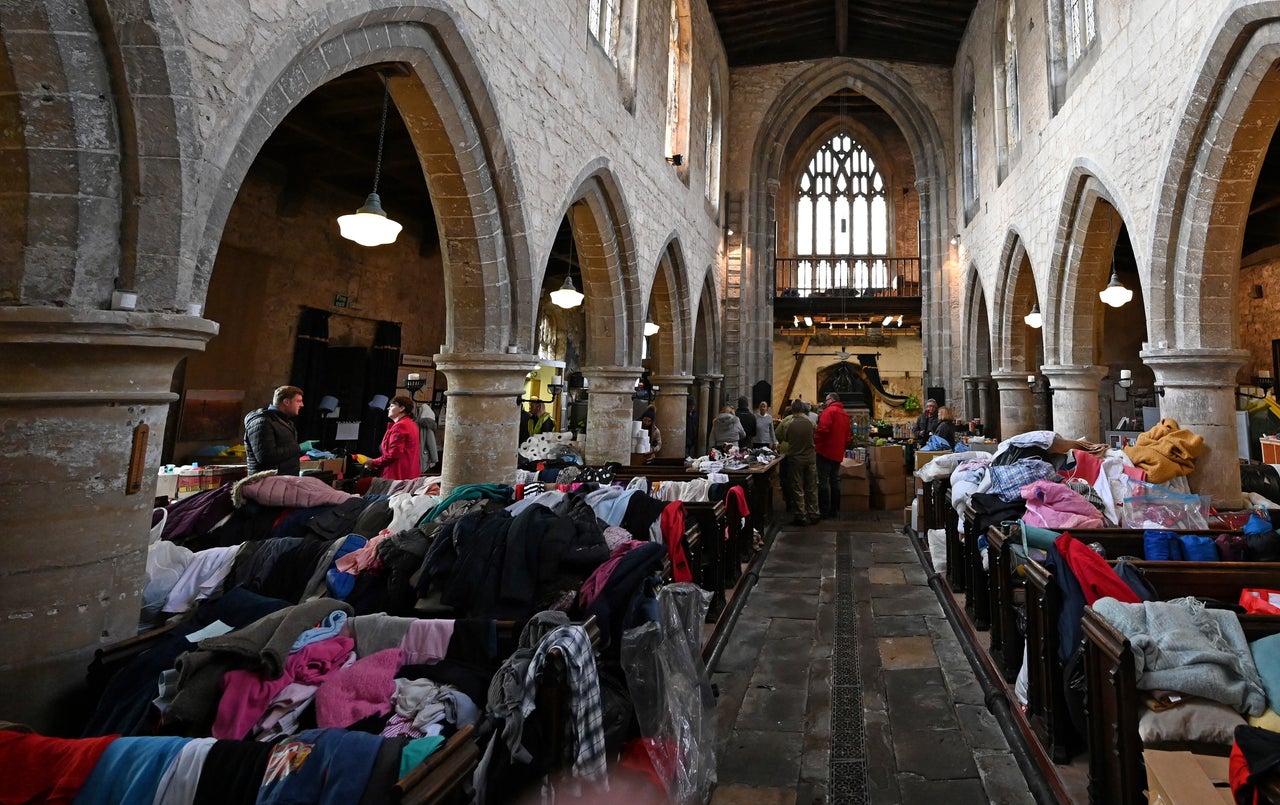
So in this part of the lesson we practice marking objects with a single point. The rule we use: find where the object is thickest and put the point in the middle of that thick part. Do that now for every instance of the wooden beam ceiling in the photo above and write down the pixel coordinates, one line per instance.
(757, 32)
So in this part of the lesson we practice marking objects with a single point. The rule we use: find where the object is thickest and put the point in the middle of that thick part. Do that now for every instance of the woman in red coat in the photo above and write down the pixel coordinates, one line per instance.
(401, 458)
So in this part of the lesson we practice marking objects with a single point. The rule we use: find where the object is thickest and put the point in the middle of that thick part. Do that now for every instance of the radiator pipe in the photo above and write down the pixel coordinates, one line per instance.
(1042, 781)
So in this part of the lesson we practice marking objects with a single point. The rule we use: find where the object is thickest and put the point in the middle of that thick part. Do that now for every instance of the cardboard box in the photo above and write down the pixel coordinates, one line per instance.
(925, 456)
(334, 465)
(888, 502)
(887, 486)
(1184, 778)
(909, 486)
(1270, 451)
(851, 468)
(854, 486)
(887, 454)
(906, 516)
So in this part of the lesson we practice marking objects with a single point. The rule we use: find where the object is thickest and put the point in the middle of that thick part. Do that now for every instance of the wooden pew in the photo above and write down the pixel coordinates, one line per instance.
(1046, 700)
(1117, 775)
(1006, 588)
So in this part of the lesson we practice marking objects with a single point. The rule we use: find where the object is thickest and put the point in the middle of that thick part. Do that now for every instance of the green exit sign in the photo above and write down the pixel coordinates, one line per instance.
(340, 300)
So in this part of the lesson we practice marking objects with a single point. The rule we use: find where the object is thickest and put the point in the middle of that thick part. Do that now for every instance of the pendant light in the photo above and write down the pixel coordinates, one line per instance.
(567, 296)
(1033, 319)
(1115, 294)
(369, 225)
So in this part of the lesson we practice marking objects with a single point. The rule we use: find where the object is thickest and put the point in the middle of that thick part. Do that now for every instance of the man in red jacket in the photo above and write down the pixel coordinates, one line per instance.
(829, 441)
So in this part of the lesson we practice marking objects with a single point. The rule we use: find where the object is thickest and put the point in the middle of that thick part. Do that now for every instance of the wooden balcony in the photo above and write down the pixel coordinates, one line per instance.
(851, 284)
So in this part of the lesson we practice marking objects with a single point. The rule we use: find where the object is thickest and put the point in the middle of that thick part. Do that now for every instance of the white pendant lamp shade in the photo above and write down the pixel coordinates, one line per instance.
(650, 328)
(566, 296)
(1115, 294)
(369, 225)
(1033, 319)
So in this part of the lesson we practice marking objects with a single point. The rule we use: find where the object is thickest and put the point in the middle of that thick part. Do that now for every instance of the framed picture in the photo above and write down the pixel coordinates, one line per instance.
(212, 415)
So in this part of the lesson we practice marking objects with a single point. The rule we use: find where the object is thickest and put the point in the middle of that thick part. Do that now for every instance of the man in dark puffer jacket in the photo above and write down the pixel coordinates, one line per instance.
(270, 438)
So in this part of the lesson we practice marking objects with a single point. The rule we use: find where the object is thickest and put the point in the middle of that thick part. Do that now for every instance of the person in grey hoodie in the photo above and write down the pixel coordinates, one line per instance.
(725, 429)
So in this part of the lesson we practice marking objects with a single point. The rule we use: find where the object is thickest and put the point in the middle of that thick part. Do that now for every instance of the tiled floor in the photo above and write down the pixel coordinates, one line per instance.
(843, 682)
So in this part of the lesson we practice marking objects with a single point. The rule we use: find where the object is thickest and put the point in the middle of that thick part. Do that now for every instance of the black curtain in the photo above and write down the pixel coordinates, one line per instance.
(309, 373)
(380, 378)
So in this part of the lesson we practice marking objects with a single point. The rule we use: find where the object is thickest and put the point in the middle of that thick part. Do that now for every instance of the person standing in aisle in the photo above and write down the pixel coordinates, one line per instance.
(401, 458)
(830, 441)
(764, 427)
(798, 432)
(271, 438)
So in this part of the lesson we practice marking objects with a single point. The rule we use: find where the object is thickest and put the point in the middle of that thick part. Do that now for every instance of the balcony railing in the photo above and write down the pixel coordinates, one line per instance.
(848, 275)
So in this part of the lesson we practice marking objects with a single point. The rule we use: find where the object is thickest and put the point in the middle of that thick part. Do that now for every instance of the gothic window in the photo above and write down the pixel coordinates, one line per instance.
(1082, 28)
(602, 19)
(969, 145)
(842, 219)
(1007, 129)
(714, 126)
(678, 47)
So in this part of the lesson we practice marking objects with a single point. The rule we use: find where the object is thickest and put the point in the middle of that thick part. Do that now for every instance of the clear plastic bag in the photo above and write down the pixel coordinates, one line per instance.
(1151, 505)
(672, 692)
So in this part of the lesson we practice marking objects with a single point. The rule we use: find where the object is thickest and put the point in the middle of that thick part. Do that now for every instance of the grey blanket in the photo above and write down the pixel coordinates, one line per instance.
(1179, 645)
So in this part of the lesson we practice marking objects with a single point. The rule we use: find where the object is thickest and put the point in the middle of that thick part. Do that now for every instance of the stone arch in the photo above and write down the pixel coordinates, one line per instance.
(1228, 120)
(705, 354)
(977, 324)
(454, 125)
(668, 306)
(1088, 229)
(100, 139)
(913, 117)
(606, 253)
(1016, 291)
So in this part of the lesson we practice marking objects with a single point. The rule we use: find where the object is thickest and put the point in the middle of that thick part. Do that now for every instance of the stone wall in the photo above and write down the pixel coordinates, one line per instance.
(1259, 317)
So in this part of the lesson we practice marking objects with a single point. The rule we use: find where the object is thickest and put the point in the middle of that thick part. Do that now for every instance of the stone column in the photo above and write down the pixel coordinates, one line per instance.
(990, 422)
(1073, 393)
(609, 413)
(1200, 393)
(1017, 413)
(971, 402)
(76, 389)
(704, 405)
(673, 409)
(481, 417)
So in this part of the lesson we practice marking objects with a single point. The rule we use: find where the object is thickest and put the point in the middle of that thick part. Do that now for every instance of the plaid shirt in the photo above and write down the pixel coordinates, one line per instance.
(587, 724)
(1007, 480)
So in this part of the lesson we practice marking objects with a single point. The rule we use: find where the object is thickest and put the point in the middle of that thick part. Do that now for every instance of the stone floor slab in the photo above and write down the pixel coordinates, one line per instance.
(897, 653)
(750, 795)
(933, 754)
(886, 575)
(761, 758)
(900, 626)
(952, 792)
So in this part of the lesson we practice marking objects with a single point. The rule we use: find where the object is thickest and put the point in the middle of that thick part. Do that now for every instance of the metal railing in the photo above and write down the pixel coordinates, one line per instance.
(847, 275)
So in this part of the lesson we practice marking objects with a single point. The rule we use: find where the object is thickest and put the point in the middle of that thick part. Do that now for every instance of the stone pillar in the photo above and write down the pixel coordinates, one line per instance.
(673, 409)
(990, 422)
(1200, 393)
(971, 400)
(1073, 393)
(704, 406)
(76, 387)
(482, 416)
(1017, 413)
(609, 413)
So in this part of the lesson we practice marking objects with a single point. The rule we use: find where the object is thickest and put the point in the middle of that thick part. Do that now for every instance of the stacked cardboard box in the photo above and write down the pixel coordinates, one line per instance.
(855, 487)
(925, 456)
(1183, 778)
(888, 477)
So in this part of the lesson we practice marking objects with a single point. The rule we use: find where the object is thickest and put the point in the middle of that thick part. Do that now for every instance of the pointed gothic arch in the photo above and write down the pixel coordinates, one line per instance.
(977, 322)
(1018, 344)
(1090, 224)
(455, 129)
(606, 253)
(670, 349)
(914, 118)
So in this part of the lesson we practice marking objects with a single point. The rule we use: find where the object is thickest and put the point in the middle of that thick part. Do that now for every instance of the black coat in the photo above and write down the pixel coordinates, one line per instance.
(271, 442)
